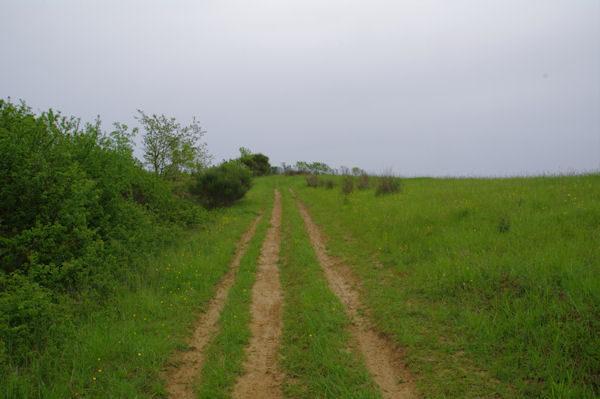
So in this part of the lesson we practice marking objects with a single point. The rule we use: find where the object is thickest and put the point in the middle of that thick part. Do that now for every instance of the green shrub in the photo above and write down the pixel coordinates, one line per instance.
(75, 210)
(222, 185)
(312, 180)
(68, 192)
(28, 317)
(363, 181)
(329, 183)
(347, 185)
(388, 185)
(257, 163)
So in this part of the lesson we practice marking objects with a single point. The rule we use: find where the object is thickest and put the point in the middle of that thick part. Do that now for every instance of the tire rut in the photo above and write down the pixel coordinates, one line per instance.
(263, 378)
(383, 360)
(179, 384)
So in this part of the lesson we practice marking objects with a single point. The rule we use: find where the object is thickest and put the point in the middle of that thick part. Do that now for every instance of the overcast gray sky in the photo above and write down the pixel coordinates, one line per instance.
(424, 87)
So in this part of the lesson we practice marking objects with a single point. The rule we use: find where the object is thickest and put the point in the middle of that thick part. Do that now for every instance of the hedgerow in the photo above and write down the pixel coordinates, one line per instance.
(75, 209)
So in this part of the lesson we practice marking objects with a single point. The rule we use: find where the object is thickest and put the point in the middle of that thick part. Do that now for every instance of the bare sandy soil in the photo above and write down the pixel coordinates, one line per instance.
(383, 359)
(179, 384)
(263, 378)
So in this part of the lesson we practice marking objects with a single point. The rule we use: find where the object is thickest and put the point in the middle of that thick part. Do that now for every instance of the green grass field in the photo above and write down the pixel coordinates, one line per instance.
(491, 287)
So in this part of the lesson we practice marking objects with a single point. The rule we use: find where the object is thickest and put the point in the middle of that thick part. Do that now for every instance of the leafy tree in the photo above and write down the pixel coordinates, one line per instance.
(320, 168)
(170, 148)
(302, 166)
(356, 171)
(257, 163)
(245, 152)
(315, 168)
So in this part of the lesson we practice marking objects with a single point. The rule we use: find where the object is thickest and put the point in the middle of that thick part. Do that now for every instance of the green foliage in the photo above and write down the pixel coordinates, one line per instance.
(363, 181)
(388, 185)
(75, 209)
(27, 315)
(222, 185)
(312, 180)
(257, 163)
(347, 185)
(329, 183)
(315, 168)
(116, 345)
(356, 171)
(245, 152)
(170, 148)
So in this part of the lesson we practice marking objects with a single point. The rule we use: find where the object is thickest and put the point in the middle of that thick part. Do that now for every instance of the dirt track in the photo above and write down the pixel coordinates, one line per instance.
(263, 378)
(383, 360)
(179, 384)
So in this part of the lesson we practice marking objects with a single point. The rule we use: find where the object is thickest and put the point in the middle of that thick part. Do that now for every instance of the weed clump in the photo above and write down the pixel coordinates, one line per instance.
(363, 181)
(503, 225)
(312, 181)
(328, 184)
(388, 185)
(347, 185)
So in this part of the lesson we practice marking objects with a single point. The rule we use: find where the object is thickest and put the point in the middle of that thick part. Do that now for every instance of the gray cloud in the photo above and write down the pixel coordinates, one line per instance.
(423, 87)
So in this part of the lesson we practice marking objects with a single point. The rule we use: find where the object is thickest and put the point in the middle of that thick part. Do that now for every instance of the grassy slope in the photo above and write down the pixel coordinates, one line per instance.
(492, 284)
(121, 350)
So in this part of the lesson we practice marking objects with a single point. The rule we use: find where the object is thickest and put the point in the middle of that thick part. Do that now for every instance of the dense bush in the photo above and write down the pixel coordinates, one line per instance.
(75, 209)
(222, 185)
(257, 163)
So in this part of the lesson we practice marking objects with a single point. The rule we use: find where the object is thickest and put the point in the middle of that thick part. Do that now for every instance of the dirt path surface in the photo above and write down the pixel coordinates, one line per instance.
(383, 360)
(190, 362)
(263, 378)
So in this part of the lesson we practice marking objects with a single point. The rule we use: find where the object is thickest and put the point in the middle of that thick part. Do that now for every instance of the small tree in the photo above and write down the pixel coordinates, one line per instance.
(245, 152)
(170, 148)
(356, 171)
(302, 167)
(257, 163)
(320, 168)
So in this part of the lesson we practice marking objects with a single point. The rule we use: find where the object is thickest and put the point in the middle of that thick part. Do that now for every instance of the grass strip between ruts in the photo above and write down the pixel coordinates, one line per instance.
(225, 354)
(318, 358)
